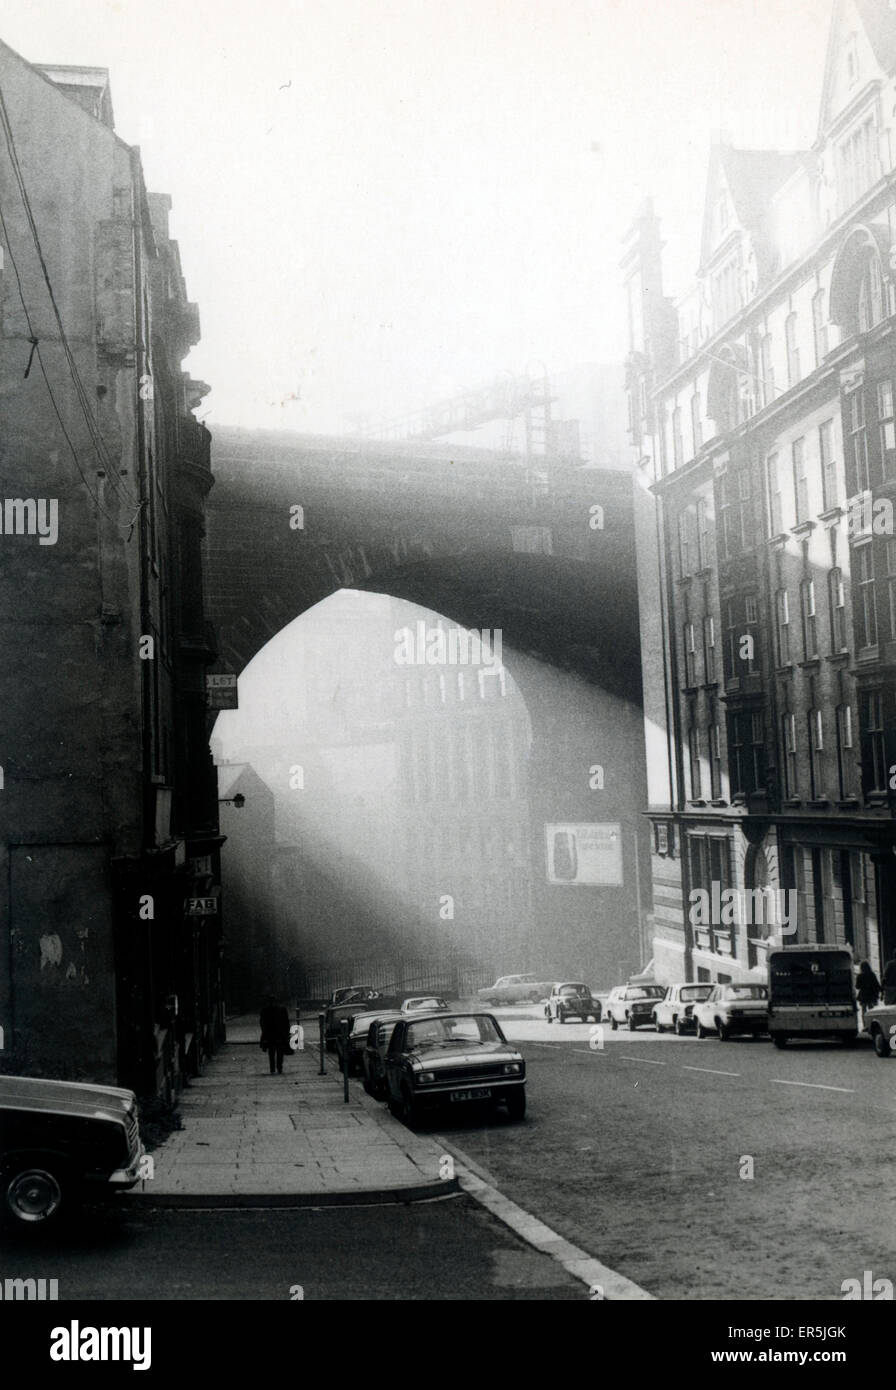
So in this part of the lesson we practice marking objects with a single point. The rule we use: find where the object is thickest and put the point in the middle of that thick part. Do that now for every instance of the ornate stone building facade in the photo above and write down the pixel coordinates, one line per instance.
(762, 411)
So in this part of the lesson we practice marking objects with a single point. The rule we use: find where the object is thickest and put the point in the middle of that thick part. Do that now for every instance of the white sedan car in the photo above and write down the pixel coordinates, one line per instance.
(423, 1003)
(632, 1005)
(731, 1009)
(676, 1009)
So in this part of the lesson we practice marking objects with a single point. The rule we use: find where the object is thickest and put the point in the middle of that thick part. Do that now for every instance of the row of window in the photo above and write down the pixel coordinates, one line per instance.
(489, 682)
(736, 530)
(832, 903)
(752, 386)
(740, 617)
(830, 763)
(477, 763)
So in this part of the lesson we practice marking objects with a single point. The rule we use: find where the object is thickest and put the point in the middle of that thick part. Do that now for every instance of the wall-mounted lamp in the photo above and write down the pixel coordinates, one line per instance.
(237, 801)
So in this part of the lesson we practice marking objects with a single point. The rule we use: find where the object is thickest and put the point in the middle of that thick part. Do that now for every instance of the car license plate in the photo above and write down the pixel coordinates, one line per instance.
(482, 1094)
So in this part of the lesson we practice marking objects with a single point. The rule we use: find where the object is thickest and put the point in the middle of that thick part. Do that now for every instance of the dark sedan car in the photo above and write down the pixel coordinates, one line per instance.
(59, 1139)
(451, 1059)
(373, 1058)
(357, 1038)
(362, 998)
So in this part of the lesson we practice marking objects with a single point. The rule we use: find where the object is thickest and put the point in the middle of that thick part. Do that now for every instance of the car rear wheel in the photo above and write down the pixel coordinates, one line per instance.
(679, 1027)
(657, 1025)
(881, 1043)
(516, 1103)
(613, 1024)
(779, 1039)
(35, 1191)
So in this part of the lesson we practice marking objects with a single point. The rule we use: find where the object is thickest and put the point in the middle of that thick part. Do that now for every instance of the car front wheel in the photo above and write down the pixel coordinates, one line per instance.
(631, 1024)
(657, 1025)
(779, 1039)
(701, 1031)
(410, 1112)
(679, 1028)
(724, 1031)
(881, 1043)
(613, 1024)
(35, 1191)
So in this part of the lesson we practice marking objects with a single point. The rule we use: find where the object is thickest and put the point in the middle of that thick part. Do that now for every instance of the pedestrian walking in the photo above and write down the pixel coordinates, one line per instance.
(274, 1021)
(888, 980)
(867, 988)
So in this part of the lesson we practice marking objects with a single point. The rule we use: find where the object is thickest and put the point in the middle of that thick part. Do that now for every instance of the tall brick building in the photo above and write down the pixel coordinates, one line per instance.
(108, 815)
(762, 410)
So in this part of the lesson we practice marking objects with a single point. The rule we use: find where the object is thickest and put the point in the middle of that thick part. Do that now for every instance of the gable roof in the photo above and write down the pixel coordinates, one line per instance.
(878, 20)
(752, 178)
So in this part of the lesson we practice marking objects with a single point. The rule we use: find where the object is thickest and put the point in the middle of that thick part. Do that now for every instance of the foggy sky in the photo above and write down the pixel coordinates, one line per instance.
(380, 202)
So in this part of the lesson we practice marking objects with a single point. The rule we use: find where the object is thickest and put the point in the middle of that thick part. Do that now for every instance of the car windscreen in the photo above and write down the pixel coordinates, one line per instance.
(645, 992)
(574, 989)
(474, 1028)
(695, 992)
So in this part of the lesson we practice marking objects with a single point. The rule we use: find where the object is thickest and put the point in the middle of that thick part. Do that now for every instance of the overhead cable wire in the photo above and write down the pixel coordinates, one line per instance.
(35, 352)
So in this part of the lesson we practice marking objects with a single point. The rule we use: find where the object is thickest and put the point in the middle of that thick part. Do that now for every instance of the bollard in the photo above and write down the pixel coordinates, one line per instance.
(321, 1019)
(346, 1033)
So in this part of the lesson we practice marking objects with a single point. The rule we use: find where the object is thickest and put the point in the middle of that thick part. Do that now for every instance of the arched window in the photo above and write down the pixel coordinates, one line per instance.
(858, 298)
(728, 389)
(871, 294)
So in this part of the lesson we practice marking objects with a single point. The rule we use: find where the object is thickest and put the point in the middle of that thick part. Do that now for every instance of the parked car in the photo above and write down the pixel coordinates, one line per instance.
(452, 1059)
(676, 1008)
(346, 993)
(812, 993)
(568, 1000)
(731, 1009)
(373, 1058)
(60, 1140)
(361, 998)
(514, 989)
(632, 1005)
(357, 1039)
(423, 1003)
(880, 1022)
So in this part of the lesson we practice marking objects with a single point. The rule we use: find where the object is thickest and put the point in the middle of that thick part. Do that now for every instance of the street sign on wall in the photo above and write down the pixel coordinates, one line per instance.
(201, 907)
(220, 687)
(589, 853)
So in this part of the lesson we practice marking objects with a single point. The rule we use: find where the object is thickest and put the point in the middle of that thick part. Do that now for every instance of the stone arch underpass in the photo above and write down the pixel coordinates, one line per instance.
(547, 557)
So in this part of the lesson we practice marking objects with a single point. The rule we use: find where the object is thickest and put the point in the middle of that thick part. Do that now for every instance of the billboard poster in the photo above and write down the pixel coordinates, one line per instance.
(584, 853)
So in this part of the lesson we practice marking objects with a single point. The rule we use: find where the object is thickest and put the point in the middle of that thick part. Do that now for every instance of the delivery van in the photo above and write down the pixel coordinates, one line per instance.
(811, 993)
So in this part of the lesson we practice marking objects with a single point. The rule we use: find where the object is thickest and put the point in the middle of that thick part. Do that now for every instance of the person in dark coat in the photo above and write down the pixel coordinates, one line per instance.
(889, 981)
(867, 987)
(274, 1022)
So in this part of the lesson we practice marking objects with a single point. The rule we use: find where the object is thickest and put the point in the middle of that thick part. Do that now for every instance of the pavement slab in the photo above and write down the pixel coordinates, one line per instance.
(248, 1133)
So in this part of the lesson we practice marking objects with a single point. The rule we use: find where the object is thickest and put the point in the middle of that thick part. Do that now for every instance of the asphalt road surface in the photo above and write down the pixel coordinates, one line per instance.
(446, 1249)
(636, 1151)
